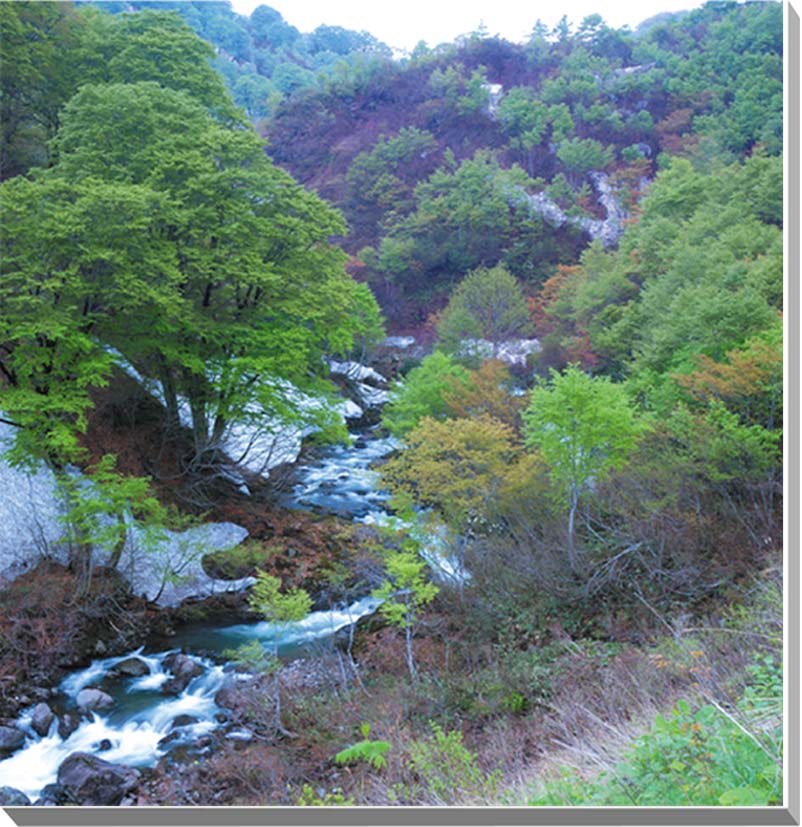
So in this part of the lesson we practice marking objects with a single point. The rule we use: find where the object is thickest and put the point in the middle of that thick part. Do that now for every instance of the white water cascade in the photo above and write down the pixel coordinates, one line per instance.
(144, 723)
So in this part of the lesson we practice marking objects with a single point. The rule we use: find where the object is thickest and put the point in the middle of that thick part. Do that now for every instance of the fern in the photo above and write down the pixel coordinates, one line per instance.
(371, 752)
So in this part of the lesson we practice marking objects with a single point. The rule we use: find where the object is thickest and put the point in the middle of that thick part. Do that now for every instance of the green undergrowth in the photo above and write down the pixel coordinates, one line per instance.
(714, 755)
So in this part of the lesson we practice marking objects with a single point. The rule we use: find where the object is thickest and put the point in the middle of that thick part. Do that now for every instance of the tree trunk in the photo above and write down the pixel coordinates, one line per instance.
(170, 396)
(277, 690)
(571, 520)
(410, 662)
(119, 546)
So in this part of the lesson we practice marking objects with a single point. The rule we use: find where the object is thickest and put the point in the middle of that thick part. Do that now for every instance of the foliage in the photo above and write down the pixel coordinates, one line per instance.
(310, 798)
(367, 750)
(585, 428)
(448, 770)
(582, 156)
(488, 391)
(280, 610)
(422, 393)
(277, 608)
(160, 215)
(702, 758)
(749, 382)
(404, 592)
(462, 220)
(486, 304)
(698, 274)
(456, 466)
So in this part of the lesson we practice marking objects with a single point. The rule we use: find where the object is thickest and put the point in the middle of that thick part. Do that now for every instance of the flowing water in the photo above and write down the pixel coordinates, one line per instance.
(145, 723)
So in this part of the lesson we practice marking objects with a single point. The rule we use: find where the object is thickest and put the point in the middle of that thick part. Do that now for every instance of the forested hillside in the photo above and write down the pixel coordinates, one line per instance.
(525, 550)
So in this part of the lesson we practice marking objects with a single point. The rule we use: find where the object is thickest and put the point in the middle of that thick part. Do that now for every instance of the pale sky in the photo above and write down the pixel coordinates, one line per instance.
(402, 23)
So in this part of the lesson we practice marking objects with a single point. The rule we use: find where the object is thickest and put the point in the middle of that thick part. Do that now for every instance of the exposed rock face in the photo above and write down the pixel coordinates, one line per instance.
(91, 699)
(184, 669)
(608, 230)
(367, 384)
(42, 719)
(93, 782)
(495, 92)
(11, 738)
(167, 570)
(512, 352)
(9, 797)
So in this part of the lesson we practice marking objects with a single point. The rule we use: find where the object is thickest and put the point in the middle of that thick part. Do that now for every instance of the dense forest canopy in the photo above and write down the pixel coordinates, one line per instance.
(206, 216)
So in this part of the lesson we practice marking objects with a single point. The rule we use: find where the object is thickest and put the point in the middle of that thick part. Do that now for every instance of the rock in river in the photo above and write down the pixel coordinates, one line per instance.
(42, 719)
(93, 782)
(11, 738)
(132, 667)
(184, 669)
(89, 699)
(9, 797)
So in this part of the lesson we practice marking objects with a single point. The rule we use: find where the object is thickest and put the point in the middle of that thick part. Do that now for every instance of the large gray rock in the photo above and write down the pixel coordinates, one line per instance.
(11, 738)
(9, 797)
(94, 782)
(42, 719)
(67, 725)
(183, 669)
(132, 667)
(91, 699)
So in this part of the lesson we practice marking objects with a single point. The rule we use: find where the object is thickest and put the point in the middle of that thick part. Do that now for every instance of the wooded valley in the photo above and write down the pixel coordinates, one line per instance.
(384, 429)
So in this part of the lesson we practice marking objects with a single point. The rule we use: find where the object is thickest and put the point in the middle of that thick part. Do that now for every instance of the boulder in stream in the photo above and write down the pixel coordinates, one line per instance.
(42, 719)
(94, 782)
(184, 669)
(11, 738)
(67, 725)
(90, 699)
(132, 668)
(10, 797)
(53, 795)
(183, 720)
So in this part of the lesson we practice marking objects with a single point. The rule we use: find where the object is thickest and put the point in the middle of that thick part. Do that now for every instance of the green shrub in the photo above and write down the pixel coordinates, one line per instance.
(448, 769)
(712, 757)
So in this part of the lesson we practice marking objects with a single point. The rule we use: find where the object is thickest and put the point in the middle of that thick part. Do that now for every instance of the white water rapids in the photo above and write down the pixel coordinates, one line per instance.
(340, 481)
(142, 715)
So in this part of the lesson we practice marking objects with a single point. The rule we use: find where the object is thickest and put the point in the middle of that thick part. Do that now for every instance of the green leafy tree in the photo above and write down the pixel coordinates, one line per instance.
(405, 592)
(215, 303)
(585, 428)
(580, 156)
(281, 610)
(526, 120)
(486, 304)
(422, 393)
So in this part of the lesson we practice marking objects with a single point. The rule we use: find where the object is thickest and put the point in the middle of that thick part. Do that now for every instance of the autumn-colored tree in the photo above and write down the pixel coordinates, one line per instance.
(540, 306)
(749, 382)
(456, 466)
(489, 392)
